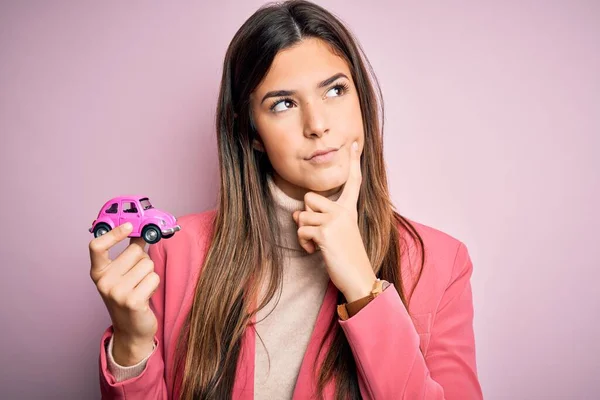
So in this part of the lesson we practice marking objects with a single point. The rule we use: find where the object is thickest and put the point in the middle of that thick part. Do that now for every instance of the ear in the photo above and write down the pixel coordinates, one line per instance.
(258, 145)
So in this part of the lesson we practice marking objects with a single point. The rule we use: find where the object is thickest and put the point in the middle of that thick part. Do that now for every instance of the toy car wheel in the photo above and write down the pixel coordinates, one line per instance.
(101, 229)
(170, 235)
(151, 234)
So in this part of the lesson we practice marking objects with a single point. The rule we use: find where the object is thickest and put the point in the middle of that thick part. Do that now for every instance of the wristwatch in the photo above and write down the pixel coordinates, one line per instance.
(347, 310)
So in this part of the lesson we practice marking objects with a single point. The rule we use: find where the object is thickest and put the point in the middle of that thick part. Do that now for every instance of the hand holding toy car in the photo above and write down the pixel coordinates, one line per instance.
(126, 285)
(127, 282)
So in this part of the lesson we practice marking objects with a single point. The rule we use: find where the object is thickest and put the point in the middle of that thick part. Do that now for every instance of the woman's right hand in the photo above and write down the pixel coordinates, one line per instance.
(126, 285)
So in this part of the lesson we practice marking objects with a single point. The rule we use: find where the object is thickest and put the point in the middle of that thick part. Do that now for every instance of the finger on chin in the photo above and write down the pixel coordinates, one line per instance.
(351, 189)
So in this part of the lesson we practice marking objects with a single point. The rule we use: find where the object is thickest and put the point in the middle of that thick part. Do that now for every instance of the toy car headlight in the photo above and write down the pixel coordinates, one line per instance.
(163, 222)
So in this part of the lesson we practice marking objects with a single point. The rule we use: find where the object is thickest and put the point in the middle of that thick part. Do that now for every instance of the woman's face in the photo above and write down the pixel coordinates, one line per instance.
(306, 104)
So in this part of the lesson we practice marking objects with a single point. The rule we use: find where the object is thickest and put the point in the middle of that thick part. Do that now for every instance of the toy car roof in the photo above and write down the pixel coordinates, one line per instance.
(126, 197)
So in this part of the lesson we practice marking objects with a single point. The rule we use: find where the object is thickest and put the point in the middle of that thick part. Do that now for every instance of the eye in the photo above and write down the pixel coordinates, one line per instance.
(338, 90)
(281, 105)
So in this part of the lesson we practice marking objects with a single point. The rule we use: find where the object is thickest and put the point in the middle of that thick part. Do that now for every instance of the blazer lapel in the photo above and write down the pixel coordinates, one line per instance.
(306, 384)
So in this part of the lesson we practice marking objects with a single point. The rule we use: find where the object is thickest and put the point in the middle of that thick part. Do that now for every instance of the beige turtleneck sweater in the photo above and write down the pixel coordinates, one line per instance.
(289, 322)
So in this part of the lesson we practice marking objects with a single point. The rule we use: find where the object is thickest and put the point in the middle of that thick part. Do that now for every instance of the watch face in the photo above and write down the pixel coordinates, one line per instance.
(384, 285)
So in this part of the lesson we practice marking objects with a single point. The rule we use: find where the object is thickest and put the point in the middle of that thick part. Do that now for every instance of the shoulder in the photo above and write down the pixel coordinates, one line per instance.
(439, 245)
(445, 259)
(190, 242)
(196, 225)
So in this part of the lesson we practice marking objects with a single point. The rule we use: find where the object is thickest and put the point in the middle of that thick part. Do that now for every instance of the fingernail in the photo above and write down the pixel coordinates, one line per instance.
(355, 146)
(127, 226)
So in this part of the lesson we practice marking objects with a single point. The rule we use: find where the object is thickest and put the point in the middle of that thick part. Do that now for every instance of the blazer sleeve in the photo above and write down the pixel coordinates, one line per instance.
(150, 383)
(385, 344)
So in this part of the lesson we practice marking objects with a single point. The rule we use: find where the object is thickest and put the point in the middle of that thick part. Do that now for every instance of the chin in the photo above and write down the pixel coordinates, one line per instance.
(330, 183)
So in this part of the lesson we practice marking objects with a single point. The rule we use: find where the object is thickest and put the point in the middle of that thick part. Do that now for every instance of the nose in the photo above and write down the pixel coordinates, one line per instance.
(315, 121)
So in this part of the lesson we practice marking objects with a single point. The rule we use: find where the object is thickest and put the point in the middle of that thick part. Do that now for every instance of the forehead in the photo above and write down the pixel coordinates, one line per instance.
(303, 66)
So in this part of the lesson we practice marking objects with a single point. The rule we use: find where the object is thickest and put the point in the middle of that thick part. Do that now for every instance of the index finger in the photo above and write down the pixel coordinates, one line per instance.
(349, 196)
(100, 246)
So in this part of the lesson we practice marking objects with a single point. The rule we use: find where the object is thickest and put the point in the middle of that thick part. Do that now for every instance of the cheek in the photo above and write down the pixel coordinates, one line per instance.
(280, 150)
(351, 124)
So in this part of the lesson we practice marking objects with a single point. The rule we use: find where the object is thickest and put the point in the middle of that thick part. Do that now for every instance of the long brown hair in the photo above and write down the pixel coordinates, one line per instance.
(242, 252)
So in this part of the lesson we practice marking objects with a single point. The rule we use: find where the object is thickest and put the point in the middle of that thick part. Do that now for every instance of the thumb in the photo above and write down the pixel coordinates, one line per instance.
(138, 241)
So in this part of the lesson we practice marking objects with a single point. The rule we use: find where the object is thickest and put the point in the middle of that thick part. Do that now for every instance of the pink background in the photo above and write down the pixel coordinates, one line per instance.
(492, 136)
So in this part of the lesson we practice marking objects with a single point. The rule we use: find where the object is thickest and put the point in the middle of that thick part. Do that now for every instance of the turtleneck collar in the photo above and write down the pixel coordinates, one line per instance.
(284, 208)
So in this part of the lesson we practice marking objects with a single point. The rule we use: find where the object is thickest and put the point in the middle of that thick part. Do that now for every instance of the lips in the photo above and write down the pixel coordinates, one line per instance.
(321, 152)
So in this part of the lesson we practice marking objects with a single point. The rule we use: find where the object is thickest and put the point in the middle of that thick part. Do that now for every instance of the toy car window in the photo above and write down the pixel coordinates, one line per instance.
(129, 207)
(145, 203)
(113, 209)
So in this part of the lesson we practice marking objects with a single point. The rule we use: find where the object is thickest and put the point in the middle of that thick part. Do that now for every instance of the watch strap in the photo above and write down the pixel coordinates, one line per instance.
(348, 310)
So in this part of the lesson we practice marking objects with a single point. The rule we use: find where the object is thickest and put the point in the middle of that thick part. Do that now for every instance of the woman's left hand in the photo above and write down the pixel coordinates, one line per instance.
(333, 227)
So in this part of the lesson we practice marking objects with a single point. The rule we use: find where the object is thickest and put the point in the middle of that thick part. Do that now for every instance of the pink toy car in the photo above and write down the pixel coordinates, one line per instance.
(148, 222)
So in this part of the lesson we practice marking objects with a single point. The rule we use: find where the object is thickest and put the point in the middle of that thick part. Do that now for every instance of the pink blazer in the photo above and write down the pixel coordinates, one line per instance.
(426, 352)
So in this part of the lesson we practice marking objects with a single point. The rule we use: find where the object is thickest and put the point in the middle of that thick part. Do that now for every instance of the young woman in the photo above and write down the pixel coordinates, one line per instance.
(304, 282)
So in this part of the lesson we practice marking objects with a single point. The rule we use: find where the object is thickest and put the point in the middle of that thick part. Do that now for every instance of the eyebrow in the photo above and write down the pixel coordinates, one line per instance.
(281, 93)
